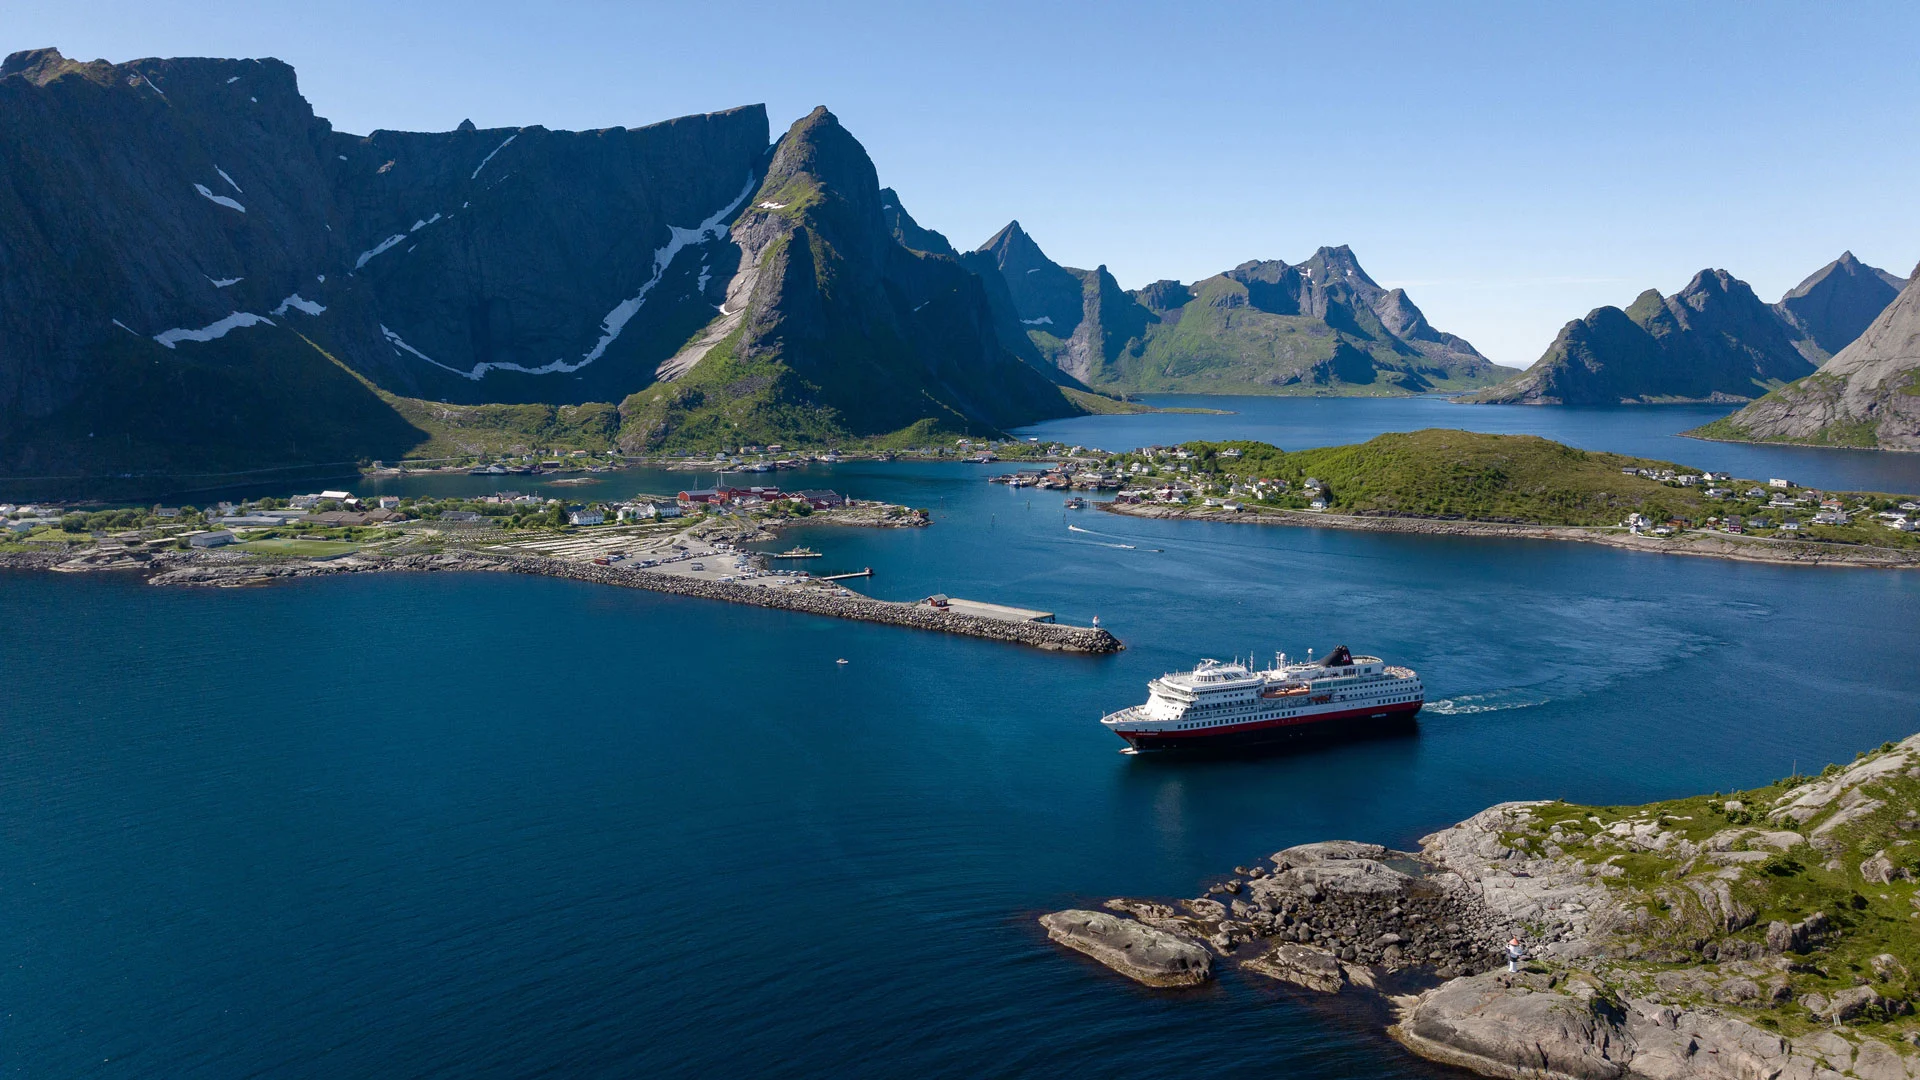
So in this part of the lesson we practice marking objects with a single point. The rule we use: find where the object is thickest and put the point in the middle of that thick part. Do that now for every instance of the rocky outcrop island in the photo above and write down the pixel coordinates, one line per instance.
(1771, 933)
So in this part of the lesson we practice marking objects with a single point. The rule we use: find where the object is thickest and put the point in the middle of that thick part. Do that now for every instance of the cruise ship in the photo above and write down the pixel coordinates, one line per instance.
(1220, 706)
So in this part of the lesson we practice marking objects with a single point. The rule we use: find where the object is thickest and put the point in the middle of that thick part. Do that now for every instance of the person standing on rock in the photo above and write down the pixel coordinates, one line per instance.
(1515, 954)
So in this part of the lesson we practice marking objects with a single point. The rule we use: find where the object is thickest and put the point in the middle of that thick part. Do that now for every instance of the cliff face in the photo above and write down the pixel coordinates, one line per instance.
(1712, 341)
(829, 317)
(1322, 326)
(1867, 395)
(182, 238)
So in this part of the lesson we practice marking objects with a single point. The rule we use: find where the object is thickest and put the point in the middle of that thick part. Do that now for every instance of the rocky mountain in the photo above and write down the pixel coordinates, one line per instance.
(1867, 395)
(1826, 312)
(1322, 326)
(1714, 340)
(830, 324)
(201, 273)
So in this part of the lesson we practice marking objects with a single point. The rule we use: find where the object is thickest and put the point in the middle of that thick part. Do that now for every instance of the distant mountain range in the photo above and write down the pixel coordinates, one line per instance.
(202, 274)
(1867, 395)
(1714, 340)
(1320, 327)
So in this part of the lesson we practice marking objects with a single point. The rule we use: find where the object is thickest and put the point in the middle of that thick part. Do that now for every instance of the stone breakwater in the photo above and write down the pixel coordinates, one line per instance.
(1669, 978)
(226, 569)
(837, 603)
(1706, 544)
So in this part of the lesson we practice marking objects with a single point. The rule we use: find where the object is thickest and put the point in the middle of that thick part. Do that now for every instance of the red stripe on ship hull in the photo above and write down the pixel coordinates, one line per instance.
(1148, 738)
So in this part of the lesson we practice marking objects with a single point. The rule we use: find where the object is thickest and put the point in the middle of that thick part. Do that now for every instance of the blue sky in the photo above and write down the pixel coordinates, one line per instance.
(1512, 165)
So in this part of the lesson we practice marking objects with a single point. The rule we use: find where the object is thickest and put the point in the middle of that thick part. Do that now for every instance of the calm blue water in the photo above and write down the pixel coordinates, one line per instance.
(467, 825)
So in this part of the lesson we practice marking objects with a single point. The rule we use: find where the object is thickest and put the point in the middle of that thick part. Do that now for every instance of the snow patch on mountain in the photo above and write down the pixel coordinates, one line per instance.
(299, 303)
(489, 157)
(221, 283)
(207, 193)
(367, 255)
(396, 341)
(228, 179)
(211, 331)
(678, 240)
(1044, 320)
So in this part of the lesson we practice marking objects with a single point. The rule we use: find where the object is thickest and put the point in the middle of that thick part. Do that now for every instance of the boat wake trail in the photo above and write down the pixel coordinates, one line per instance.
(1097, 543)
(1513, 697)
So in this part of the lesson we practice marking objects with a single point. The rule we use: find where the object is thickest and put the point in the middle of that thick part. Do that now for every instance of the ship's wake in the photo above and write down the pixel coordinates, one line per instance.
(1513, 697)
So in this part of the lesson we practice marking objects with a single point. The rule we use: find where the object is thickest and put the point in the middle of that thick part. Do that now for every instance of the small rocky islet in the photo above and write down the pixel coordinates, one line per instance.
(1767, 934)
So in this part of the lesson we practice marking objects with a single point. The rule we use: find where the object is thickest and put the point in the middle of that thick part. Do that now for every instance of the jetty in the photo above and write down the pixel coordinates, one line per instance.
(837, 603)
(219, 569)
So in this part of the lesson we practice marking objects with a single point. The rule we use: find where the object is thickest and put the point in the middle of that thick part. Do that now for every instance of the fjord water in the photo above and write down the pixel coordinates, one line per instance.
(456, 825)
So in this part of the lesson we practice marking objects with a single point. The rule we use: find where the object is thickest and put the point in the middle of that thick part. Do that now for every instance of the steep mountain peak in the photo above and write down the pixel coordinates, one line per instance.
(1861, 397)
(41, 66)
(1012, 244)
(911, 234)
(1712, 280)
(1330, 264)
(817, 146)
(1835, 304)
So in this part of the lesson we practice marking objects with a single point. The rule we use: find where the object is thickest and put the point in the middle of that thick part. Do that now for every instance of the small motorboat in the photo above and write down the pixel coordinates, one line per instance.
(842, 660)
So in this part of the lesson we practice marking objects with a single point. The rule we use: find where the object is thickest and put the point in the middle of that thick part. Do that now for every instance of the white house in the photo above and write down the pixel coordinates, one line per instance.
(210, 538)
(586, 517)
(1779, 483)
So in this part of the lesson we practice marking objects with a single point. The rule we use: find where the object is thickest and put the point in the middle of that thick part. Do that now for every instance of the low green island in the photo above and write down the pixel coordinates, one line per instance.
(1445, 480)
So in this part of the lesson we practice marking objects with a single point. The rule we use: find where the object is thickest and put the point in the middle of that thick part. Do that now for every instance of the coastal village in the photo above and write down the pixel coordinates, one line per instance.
(694, 542)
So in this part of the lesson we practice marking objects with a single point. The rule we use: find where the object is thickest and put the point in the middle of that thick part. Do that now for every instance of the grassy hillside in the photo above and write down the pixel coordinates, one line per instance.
(1444, 473)
(1510, 479)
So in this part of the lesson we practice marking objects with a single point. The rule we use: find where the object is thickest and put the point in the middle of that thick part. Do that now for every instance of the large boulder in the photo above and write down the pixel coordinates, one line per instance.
(1498, 1026)
(1301, 965)
(1141, 953)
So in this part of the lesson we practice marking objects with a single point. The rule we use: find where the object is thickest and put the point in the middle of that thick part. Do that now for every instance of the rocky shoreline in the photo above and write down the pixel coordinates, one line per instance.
(1646, 953)
(1707, 545)
(223, 569)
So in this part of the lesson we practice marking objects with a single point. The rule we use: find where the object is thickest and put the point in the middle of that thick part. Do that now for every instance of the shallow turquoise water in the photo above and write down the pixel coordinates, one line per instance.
(457, 825)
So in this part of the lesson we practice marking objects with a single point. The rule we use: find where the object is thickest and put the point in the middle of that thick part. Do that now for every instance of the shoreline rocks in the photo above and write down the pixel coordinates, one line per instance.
(1140, 952)
(1645, 953)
